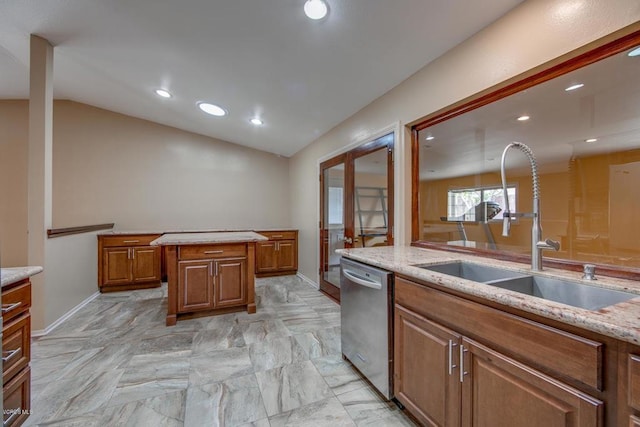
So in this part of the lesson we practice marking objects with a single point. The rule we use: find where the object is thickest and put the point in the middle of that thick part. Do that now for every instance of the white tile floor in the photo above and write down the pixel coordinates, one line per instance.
(115, 363)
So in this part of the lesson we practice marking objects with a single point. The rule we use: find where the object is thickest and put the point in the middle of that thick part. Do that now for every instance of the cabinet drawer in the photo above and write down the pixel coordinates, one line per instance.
(17, 399)
(278, 235)
(634, 381)
(16, 300)
(16, 346)
(128, 240)
(211, 251)
(551, 350)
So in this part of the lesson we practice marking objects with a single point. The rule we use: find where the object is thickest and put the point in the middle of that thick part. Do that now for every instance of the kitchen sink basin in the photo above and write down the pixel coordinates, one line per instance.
(565, 292)
(471, 271)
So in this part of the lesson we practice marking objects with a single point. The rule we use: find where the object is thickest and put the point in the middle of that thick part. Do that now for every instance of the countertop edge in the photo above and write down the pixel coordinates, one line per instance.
(11, 275)
(207, 238)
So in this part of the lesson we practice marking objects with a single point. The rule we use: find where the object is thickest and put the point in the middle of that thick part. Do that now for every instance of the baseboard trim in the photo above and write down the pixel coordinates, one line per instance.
(308, 281)
(68, 314)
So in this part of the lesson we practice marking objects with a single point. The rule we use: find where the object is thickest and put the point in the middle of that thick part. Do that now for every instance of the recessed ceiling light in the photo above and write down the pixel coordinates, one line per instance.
(256, 121)
(634, 52)
(163, 93)
(523, 118)
(574, 87)
(430, 138)
(591, 140)
(315, 9)
(212, 109)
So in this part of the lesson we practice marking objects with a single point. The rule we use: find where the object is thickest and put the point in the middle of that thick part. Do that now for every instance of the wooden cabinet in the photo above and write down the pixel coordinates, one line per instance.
(208, 277)
(278, 255)
(16, 352)
(128, 262)
(445, 376)
(426, 350)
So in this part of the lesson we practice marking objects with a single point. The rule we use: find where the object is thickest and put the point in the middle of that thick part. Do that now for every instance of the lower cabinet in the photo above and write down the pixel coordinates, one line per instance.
(445, 378)
(16, 352)
(278, 255)
(210, 284)
(128, 262)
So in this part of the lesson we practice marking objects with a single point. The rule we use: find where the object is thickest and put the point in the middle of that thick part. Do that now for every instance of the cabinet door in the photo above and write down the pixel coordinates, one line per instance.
(146, 263)
(498, 391)
(230, 282)
(287, 255)
(116, 266)
(426, 376)
(195, 285)
(266, 259)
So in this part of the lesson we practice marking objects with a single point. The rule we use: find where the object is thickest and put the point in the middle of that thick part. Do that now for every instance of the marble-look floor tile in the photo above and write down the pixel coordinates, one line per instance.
(320, 343)
(365, 406)
(165, 410)
(224, 336)
(153, 374)
(395, 419)
(331, 319)
(91, 397)
(164, 339)
(291, 386)
(271, 354)
(306, 323)
(259, 423)
(90, 420)
(220, 365)
(264, 330)
(229, 403)
(327, 412)
(339, 374)
(98, 359)
(276, 294)
(48, 346)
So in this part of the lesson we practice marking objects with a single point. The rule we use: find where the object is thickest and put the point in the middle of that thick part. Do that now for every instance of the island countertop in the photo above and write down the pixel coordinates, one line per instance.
(620, 321)
(207, 238)
(12, 275)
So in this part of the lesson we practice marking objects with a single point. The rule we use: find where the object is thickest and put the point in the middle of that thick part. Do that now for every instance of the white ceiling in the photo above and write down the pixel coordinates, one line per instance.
(253, 57)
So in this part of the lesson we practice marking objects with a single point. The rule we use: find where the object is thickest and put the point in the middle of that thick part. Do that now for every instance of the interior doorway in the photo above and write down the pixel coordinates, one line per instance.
(356, 205)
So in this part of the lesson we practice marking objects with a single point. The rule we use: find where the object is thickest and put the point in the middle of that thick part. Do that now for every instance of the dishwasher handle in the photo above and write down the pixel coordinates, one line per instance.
(361, 280)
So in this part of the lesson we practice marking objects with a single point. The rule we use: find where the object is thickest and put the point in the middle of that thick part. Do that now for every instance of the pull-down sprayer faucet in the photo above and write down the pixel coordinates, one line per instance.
(537, 245)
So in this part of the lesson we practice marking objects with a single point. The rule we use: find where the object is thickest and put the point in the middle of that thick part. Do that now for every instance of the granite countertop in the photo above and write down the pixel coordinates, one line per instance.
(620, 321)
(207, 238)
(15, 274)
(126, 232)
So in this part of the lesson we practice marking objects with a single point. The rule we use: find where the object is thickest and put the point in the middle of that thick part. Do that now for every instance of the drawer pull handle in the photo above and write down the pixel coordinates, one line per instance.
(451, 364)
(462, 371)
(16, 413)
(131, 241)
(8, 307)
(276, 235)
(8, 355)
(213, 252)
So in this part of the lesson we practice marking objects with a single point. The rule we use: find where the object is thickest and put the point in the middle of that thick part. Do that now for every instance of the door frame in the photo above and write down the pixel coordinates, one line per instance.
(348, 158)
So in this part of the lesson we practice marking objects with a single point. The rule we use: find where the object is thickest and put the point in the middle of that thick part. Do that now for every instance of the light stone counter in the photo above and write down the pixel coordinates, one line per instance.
(15, 274)
(207, 238)
(621, 321)
(174, 231)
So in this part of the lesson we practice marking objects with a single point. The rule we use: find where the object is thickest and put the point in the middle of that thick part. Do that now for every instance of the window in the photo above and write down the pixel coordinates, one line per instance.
(479, 203)
(335, 205)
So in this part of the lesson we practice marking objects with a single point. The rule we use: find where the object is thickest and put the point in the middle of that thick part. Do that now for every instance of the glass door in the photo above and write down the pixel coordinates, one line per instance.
(332, 230)
(356, 202)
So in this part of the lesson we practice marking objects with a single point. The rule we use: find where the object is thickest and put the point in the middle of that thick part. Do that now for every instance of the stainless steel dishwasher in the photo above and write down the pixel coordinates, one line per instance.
(366, 306)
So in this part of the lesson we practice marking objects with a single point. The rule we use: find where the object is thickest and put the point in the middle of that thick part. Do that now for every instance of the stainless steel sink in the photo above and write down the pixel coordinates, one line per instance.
(471, 271)
(562, 291)
(566, 292)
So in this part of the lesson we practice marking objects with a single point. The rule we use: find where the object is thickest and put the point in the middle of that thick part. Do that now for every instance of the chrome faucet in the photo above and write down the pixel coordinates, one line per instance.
(537, 245)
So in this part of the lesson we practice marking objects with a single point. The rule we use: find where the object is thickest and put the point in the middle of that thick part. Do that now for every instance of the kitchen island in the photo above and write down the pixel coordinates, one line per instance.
(209, 273)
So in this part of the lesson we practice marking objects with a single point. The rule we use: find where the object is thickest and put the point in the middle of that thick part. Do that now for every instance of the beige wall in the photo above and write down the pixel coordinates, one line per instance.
(535, 32)
(14, 136)
(109, 167)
